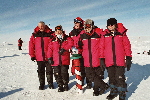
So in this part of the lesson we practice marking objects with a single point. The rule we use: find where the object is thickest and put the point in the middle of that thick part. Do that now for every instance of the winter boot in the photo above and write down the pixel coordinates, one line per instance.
(66, 87)
(65, 79)
(51, 86)
(103, 89)
(41, 87)
(50, 81)
(42, 81)
(96, 91)
(60, 88)
(122, 93)
(65, 82)
(113, 92)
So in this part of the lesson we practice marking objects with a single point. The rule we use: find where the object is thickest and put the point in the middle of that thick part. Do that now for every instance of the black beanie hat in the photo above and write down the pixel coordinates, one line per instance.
(111, 21)
(59, 27)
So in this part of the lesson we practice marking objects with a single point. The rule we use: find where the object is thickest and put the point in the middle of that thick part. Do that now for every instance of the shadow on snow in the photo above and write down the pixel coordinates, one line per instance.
(10, 56)
(4, 94)
(25, 53)
(135, 76)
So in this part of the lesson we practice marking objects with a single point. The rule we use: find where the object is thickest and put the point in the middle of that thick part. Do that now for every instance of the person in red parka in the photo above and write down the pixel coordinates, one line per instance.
(89, 42)
(38, 46)
(59, 56)
(20, 44)
(78, 27)
(116, 48)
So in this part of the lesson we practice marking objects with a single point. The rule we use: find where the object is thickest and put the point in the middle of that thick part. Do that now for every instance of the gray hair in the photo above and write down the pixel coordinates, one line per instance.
(89, 21)
(42, 22)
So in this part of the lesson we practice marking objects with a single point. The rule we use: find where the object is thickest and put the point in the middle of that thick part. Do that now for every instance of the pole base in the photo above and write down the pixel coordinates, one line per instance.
(80, 91)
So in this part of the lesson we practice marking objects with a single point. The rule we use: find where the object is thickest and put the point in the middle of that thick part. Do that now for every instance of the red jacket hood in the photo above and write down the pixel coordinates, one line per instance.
(120, 28)
(47, 29)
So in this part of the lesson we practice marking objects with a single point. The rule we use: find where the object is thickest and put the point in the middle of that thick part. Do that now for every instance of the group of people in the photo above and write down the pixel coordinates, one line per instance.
(100, 49)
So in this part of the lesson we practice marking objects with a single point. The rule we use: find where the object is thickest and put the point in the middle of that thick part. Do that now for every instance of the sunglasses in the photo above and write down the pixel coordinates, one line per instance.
(88, 25)
(110, 25)
(77, 21)
(58, 28)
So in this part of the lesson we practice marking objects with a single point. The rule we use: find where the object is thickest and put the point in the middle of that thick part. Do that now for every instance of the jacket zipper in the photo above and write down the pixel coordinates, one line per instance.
(42, 45)
(113, 50)
(90, 53)
(60, 59)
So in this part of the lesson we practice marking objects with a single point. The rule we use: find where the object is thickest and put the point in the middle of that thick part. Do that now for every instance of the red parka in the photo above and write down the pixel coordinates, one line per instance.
(116, 48)
(90, 45)
(74, 34)
(38, 44)
(20, 42)
(55, 45)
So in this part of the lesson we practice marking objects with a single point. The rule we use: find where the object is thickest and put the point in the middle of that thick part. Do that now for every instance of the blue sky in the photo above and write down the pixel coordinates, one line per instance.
(18, 18)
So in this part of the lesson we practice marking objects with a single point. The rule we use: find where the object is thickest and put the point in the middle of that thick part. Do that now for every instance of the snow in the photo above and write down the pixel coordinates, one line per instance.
(19, 79)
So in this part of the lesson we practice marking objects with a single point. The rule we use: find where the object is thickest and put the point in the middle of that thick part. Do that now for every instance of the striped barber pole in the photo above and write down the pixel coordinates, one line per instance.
(76, 63)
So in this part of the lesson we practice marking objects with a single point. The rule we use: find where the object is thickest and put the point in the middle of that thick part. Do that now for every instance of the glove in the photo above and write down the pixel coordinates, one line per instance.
(128, 62)
(62, 51)
(33, 58)
(50, 61)
(102, 64)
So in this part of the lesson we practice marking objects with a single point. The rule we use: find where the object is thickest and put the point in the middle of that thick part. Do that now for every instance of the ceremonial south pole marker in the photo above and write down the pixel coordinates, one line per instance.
(76, 64)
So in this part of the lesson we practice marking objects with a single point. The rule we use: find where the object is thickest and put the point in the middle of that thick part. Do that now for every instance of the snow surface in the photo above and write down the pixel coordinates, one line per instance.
(19, 79)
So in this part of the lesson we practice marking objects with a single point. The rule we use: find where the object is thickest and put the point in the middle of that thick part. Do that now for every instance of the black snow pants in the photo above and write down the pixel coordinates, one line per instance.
(83, 74)
(96, 75)
(116, 76)
(117, 81)
(19, 47)
(41, 72)
(61, 74)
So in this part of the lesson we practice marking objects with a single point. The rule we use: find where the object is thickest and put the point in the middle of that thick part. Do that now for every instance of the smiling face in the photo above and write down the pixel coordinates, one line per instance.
(58, 32)
(111, 27)
(76, 25)
(41, 26)
(88, 28)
